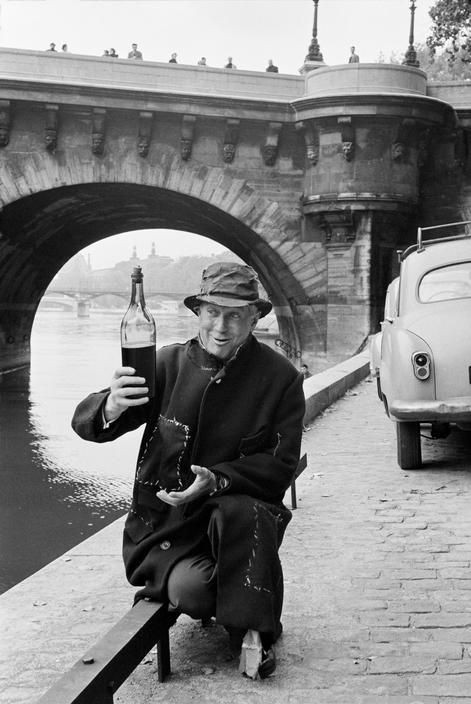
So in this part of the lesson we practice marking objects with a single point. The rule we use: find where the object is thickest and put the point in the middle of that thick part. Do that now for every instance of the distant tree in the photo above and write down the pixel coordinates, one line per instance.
(436, 65)
(394, 58)
(439, 68)
(451, 29)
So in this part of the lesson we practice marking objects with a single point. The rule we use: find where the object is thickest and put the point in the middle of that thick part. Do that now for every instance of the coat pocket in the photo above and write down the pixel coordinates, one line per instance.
(164, 461)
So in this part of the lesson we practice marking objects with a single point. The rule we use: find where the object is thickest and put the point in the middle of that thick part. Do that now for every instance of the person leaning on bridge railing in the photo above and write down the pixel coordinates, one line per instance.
(135, 53)
(220, 448)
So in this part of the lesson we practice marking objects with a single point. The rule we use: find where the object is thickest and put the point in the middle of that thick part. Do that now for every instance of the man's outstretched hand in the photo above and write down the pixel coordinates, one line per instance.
(204, 484)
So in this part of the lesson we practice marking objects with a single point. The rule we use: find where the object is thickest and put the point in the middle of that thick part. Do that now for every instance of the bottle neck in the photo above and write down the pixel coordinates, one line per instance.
(137, 293)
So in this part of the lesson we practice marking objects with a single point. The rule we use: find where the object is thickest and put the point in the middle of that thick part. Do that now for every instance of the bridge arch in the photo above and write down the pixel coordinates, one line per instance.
(313, 183)
(41, 231)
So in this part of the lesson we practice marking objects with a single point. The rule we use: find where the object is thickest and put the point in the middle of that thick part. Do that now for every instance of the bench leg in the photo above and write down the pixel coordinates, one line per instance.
(107, 696)
(293, 494)
(163, 657)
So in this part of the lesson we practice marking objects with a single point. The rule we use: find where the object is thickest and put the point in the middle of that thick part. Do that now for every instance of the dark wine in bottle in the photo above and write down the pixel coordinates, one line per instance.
(138, 334)
(143, 361)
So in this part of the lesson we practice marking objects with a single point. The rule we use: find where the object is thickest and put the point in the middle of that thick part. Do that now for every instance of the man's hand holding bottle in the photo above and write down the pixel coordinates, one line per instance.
(126, 390)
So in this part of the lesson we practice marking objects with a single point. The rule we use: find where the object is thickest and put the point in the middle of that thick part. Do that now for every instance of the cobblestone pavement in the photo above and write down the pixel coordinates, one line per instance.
(378, 580)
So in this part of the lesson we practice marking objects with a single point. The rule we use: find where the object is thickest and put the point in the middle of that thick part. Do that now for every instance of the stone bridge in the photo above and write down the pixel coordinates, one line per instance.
(314, 180)
(80, 300)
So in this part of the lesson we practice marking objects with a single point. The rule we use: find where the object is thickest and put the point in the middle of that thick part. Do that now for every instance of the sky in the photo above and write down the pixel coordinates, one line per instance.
(251, 31)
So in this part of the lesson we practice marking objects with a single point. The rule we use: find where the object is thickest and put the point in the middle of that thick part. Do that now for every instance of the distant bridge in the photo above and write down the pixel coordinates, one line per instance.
(89, 294)
(79, 299)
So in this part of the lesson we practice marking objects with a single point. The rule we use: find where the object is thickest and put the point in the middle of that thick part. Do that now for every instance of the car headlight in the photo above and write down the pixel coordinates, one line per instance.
(421, 364)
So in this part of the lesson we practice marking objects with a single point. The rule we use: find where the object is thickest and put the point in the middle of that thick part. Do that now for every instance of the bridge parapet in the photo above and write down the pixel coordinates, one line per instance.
(64, 73)
(347, 79)
(456, 93)
(67, 70)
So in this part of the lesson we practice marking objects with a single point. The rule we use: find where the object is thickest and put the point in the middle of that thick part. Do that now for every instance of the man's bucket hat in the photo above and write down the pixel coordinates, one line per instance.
(229, 284)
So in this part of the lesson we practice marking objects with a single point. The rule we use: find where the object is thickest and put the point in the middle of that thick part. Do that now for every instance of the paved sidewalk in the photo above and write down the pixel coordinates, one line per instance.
(378, 581)
(378, 587)
(51, 618)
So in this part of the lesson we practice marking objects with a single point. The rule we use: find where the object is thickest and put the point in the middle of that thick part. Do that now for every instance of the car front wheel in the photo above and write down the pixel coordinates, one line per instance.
(409, 455)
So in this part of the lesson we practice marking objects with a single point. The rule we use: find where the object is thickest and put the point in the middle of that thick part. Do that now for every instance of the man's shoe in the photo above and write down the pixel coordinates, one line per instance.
(255, 661)
(268, 665)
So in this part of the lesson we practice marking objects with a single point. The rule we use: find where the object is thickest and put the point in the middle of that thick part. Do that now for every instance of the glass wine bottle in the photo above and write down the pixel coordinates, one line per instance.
(138, 334)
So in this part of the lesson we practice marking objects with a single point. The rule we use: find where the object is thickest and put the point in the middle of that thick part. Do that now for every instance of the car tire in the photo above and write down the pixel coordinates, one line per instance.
(409, 454)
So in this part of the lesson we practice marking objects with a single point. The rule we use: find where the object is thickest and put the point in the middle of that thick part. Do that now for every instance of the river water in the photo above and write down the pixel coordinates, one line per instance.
(56, 488)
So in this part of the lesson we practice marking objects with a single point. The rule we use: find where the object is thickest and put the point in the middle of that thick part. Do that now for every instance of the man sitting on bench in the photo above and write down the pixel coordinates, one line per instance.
(220, 448)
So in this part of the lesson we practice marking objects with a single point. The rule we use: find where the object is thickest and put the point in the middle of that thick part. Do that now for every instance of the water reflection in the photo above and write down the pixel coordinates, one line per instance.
(56, 488)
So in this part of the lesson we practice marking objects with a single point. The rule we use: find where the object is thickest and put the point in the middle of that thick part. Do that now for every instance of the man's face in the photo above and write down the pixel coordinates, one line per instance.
(223, 329)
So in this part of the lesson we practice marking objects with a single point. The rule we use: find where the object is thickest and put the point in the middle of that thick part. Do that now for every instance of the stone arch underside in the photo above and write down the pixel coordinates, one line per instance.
(40, 232)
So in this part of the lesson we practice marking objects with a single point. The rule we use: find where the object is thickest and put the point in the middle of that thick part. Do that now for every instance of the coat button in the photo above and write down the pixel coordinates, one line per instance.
(165, 545)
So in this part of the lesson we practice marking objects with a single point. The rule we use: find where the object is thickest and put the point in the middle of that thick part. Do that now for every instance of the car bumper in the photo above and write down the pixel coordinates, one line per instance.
(451, 410)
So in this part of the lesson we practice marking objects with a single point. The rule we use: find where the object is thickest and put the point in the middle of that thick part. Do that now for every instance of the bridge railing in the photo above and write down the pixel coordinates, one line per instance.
(74, 69)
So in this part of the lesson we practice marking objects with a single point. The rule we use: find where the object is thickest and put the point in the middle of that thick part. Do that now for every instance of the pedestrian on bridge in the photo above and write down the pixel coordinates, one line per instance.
(271, 68)
(134, 53)
(230, 64)
(220, 448)
(353, 58)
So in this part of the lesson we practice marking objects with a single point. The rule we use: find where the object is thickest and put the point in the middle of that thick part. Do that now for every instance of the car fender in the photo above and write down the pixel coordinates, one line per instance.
(398, 381)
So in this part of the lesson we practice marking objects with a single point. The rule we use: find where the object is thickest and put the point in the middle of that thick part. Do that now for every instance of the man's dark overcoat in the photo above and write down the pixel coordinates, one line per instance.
(243, 420)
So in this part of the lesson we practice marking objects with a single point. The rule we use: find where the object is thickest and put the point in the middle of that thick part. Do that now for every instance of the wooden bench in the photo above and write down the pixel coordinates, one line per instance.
(102, 670)
(105, 666)
(302, 464)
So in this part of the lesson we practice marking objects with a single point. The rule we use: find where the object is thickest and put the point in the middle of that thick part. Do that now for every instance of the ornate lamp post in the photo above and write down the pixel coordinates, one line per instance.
(314, 58)
(314, 53)
(410, 58)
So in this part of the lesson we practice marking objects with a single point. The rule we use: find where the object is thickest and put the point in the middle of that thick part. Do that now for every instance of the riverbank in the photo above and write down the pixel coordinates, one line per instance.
(52, 617)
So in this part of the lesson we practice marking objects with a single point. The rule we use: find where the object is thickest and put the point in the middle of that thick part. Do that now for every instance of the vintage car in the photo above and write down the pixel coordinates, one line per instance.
(375, 340)
(422, 356)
